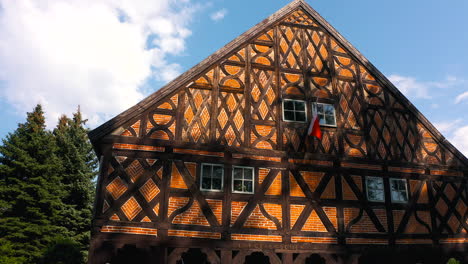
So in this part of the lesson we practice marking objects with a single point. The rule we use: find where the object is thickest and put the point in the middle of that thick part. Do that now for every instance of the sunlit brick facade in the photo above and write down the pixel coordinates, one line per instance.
(382, 180)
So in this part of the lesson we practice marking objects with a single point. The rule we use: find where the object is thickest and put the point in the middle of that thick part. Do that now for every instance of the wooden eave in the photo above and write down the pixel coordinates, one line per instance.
(98, 133)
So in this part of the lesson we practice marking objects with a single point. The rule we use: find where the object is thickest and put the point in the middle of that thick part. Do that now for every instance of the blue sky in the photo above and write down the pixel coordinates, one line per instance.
(125, 50)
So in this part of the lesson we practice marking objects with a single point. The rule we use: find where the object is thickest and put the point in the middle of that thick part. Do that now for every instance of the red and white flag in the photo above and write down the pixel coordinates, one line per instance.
(314, 128)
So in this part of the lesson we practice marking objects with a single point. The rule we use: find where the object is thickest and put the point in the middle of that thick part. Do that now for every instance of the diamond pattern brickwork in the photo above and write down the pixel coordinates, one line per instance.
(149, 190)
(299, 17)
(116, 188)
(134, 170)
(131, 208)
(197, 116)
(263, 95)
(230, 123)
(237, 103)
(290, 47)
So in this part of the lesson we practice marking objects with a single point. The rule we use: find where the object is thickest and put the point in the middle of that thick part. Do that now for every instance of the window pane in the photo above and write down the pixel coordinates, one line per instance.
(329, 109)
(320, 108)
(375, 189)
(300, 116)
(393, 185)
(237, 173)
(404, 196)
(379, 183)
(216, 184)
(288, 105)
(372, 184)
(375, 195)
(330, 120)
(248, 174)
(248, 186)
(238, 185)
(206, 171)
(289, 115)
(300, 106)
(398, 188)
(401, 185)
(206, 183)
(380, 195)
(217, 172)
(398, 197)
(322, 120)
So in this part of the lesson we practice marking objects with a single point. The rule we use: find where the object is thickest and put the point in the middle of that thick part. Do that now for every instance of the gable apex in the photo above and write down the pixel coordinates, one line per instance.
(184, 78)
(289, 10)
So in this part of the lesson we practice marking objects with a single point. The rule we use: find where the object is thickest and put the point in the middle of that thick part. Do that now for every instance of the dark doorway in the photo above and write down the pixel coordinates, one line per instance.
(413, 255)
(373, 256)
(315, 259)
(131, 254)
(257, 258)
(193, 256)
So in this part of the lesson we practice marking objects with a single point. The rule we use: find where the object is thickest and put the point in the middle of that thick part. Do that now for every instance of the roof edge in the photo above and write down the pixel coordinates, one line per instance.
(112, 124)
(385, 81)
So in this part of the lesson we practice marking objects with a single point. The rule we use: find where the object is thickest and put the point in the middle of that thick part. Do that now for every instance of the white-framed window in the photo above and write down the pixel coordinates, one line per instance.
(212, 177)
(326, 113)
(375, 189)
(399, 190)
(294, 110)
(242, 179)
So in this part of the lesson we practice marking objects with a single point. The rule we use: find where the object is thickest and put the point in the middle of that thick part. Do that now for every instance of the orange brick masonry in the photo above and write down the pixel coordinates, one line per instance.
(199, 234)
(365, 225)
(258, 220)
(129, 230)
(236, 209)
(256, 237)
(318, 240)
(137, 147)
(193, 215)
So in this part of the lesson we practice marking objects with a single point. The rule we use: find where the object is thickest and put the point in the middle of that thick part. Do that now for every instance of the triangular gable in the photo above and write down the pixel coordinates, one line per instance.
(348, 63)
(187, 76)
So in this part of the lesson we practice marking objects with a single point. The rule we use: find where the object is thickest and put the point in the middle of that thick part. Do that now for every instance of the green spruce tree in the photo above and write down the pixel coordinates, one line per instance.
(30, 189)
(79, 165)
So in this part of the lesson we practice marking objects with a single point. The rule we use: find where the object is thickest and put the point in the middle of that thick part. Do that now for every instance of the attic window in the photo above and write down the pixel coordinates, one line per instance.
(326, 113)
(375, 189)
(399, 190)
(243, 180)
(294, 110)
(212, 177)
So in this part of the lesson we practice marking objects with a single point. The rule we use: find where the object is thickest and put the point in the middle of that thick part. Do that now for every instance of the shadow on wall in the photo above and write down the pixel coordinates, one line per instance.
(409, 256)
(193, 256)
(257, 258)
(131, 254)
(315, 259)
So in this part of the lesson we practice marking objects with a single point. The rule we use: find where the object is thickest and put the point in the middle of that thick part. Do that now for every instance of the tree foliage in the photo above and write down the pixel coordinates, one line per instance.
(62, 251)
(6, 253)
(79, 165)
(45, 186)
(453, 261)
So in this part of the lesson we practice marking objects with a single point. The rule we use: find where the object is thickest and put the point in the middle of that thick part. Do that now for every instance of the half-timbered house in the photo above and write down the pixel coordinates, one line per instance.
(217, 166)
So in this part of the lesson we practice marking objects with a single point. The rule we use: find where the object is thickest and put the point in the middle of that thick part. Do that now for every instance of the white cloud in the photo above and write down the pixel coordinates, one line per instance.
(64, 53)
(218, 15)
(448, 127)
(448, 82)
(460, 139)
(411, 87)
(456, 132)
(461, 97)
